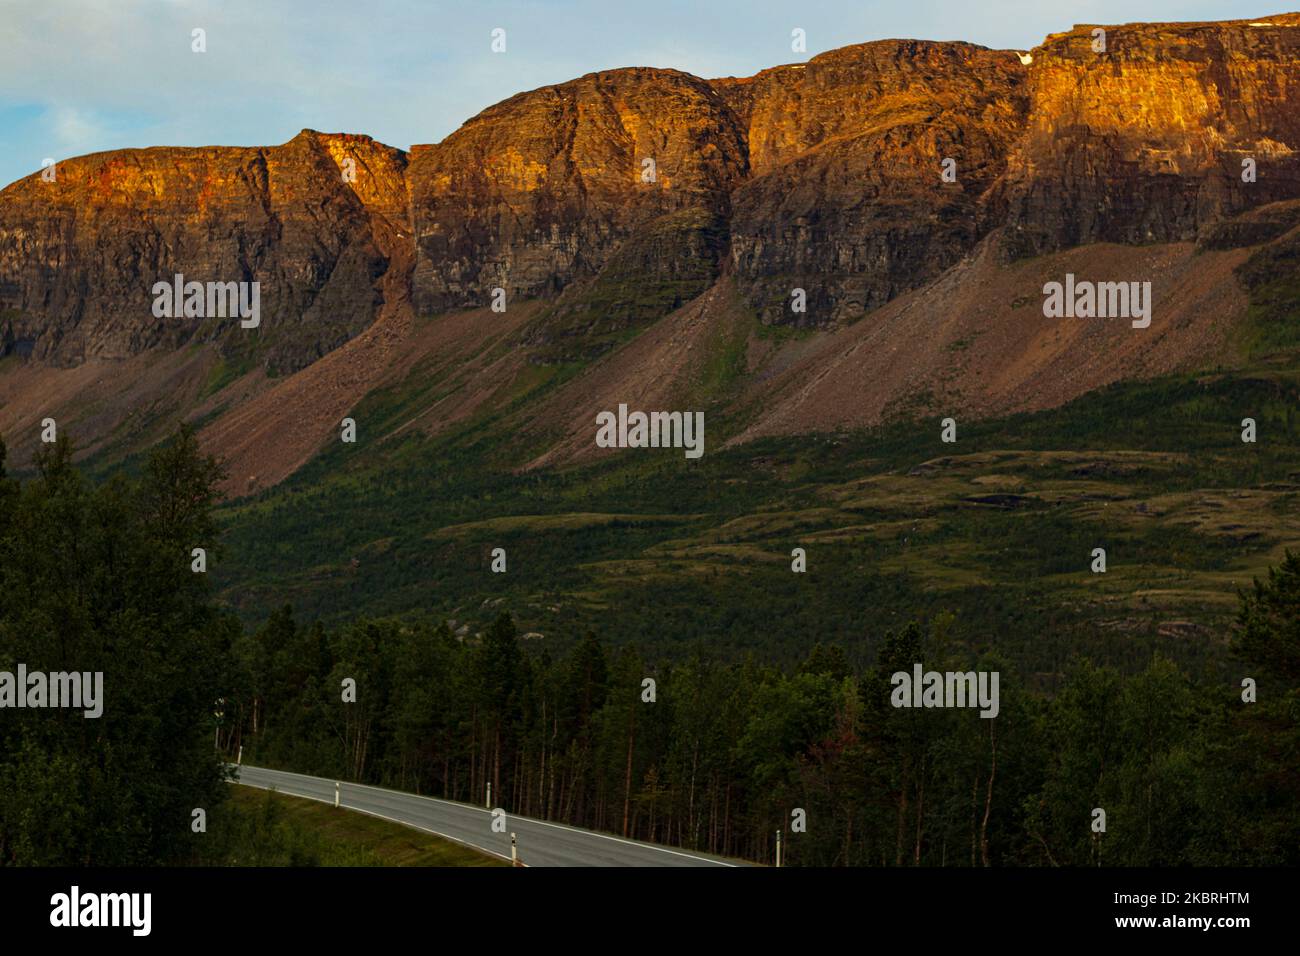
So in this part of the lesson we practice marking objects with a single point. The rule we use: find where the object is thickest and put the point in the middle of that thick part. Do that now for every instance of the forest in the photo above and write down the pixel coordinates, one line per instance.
(646, 548)
(719, 757)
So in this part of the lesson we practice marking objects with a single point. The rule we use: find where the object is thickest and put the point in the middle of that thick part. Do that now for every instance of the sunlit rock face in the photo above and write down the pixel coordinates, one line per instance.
(539, 190)
(856, 176)
(80, 254)
(1144, 141)
(848, 200)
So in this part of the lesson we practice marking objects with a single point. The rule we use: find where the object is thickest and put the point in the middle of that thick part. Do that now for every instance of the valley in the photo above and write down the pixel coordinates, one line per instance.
(829, 259)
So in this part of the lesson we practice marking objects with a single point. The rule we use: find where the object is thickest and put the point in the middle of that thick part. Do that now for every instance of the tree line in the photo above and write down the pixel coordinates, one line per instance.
(698, 752)
(727, 753)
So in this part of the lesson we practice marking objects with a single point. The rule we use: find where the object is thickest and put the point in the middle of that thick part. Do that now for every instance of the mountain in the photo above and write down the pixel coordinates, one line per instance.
(651, 234)
(81, 252)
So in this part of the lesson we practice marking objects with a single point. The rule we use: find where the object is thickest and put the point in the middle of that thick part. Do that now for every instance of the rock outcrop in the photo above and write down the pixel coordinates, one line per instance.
(540, 190)
(79, 255)
(848, 200)
(619, 196)
(1138, 133)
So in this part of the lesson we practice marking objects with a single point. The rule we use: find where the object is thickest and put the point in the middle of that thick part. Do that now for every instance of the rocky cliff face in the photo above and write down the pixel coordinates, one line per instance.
(622, 194)
(1143, 141)
(79, 255)
(540, 190)
(848, 200)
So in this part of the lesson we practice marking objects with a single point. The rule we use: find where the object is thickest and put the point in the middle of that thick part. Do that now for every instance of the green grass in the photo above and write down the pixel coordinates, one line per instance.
(264, 828)
(1272, 275)
(227, 370)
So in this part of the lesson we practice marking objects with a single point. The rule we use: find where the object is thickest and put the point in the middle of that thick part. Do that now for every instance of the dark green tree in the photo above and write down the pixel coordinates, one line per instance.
(98, 579)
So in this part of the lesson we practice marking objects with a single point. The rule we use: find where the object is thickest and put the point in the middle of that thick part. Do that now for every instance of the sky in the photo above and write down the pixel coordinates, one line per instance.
(79, 76)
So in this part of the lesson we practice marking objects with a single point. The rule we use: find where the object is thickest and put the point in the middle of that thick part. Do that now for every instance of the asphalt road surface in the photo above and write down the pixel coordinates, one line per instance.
(540, 843)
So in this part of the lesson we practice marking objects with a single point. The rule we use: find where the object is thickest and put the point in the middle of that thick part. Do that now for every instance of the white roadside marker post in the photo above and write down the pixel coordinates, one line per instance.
(778, 849)
(514, 851)
(336, 794)
(488, 804)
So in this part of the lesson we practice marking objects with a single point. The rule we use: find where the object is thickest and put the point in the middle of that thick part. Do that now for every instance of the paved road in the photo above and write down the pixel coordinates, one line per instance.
(540, 843)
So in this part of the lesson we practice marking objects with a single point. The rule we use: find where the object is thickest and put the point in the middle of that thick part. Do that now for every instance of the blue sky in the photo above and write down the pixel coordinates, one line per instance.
(78, 76)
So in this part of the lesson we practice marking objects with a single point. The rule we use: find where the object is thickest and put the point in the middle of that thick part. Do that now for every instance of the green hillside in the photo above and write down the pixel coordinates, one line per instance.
(997, 529)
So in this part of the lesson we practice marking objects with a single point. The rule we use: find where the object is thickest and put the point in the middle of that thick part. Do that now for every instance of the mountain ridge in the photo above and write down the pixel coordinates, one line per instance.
(614, 200)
